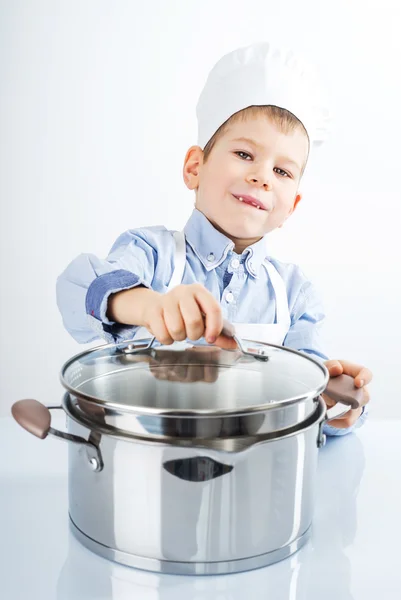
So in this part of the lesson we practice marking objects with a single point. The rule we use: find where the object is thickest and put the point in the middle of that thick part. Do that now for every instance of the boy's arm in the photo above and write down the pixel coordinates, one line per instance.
(84, 288)
(128, 306)
(307, 317)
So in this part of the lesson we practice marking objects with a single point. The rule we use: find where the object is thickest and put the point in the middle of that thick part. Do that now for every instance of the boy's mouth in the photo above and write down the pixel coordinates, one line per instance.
(251, 201)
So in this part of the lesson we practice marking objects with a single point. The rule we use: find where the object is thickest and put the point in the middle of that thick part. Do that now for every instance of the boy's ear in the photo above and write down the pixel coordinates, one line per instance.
(192, 163)
(297, 200)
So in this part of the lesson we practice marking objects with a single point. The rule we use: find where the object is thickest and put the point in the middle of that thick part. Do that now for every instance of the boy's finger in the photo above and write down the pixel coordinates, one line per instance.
(362, 375)
(193, 318)
(159, 330)
(212, 312)
(174, 322)
(334, 367)
(347, 420)
(226, 343)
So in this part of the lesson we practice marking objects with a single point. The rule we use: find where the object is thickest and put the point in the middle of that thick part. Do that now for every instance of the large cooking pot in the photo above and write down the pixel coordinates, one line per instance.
(192, 460)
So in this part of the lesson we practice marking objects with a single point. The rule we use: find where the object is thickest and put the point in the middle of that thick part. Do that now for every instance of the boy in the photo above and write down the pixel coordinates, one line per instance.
(258, 116)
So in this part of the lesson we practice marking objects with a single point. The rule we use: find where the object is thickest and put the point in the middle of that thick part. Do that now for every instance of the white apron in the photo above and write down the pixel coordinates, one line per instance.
(258, 475)
(258, 332)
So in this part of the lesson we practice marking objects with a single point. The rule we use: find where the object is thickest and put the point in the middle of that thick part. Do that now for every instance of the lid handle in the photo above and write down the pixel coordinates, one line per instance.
(229, 331)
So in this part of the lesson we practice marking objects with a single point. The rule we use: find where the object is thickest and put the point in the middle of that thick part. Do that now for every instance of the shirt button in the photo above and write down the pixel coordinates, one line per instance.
(210, 257)
(235, 263)
(229, 297)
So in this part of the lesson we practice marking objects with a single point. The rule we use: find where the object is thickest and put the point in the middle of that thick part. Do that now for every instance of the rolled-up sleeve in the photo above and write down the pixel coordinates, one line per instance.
(86, 284)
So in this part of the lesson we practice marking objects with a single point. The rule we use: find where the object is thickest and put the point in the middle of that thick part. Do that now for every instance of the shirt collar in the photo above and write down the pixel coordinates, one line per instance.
(212, 247)
(255, 256)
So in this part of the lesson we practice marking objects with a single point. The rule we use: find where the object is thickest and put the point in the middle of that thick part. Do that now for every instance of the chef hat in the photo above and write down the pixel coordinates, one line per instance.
(259, 75)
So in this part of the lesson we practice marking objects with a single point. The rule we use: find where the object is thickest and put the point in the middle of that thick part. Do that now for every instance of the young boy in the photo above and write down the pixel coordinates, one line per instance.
(258, 116)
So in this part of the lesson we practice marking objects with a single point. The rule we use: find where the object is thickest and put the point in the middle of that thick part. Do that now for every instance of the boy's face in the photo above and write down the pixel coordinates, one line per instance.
(254, 161)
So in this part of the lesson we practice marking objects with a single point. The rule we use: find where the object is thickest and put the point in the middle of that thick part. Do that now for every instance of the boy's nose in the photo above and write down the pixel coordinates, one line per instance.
(260, 181)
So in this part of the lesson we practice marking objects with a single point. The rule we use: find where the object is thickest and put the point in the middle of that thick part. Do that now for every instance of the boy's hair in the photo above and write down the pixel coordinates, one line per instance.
(283, 119)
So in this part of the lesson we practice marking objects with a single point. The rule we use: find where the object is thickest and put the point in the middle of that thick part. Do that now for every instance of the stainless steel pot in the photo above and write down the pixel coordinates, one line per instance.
(144, 391)
(198, 462)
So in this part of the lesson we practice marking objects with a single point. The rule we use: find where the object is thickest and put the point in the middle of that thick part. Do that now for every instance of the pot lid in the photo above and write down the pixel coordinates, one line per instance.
(193, 380)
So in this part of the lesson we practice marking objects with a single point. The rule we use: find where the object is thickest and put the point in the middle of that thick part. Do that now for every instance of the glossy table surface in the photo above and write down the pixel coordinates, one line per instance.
(354, 553)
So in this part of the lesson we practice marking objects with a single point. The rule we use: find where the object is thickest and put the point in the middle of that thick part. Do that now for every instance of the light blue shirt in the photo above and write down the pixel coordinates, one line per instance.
(239, 282)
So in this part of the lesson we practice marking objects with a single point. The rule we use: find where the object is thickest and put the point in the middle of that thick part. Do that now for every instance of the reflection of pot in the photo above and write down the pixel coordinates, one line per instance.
(86, 576)
(190, 477)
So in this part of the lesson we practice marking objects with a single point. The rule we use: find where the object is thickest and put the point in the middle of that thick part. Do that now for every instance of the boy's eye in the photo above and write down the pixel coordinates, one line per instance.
(281, 172)
(246, 156)
(243, 155)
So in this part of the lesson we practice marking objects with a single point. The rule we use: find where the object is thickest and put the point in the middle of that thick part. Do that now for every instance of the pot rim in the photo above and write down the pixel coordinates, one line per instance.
(224, 444)
(199, 412)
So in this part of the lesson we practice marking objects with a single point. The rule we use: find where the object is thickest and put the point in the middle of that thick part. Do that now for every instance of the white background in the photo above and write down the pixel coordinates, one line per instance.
(97, 110)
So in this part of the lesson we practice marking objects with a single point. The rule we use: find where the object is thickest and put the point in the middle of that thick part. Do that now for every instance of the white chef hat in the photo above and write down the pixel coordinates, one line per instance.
(259, 75)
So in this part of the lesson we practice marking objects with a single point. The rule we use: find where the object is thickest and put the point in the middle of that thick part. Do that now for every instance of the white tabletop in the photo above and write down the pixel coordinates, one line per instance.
(354, 553)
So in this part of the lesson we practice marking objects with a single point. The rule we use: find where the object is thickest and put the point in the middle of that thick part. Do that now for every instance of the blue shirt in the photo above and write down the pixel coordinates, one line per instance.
(146, 257)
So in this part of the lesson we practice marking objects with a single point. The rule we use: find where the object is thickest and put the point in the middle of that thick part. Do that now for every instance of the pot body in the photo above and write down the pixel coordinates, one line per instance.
(188, 510)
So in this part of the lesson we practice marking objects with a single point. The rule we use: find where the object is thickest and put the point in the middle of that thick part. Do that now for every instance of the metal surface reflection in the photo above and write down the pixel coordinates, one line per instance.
(198, 363)
(320, 569)
(155, 381)
(197, 468)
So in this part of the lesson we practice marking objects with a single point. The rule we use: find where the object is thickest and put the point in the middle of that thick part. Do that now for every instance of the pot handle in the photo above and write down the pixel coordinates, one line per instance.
(36, 418)
(337, 415)
(343, 389)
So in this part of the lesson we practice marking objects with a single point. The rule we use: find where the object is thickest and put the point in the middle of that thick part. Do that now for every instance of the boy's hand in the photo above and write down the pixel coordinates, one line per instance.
(362, 376)
(188, 311)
